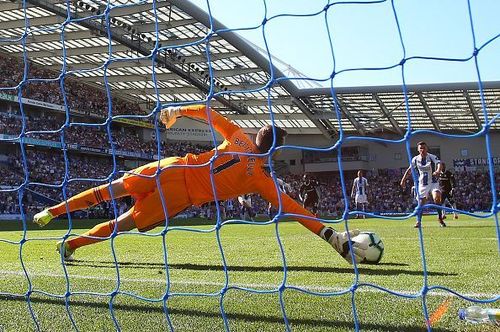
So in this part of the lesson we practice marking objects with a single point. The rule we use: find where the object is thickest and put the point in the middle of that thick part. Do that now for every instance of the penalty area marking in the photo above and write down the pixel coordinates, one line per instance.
(440, 311)
(311, 288)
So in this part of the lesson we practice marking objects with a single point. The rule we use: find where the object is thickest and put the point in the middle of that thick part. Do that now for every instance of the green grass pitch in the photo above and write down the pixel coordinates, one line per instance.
(463, 257)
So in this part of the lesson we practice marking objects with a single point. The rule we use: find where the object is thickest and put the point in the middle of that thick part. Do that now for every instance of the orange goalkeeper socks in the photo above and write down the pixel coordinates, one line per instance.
(83, 200)
(100, 231)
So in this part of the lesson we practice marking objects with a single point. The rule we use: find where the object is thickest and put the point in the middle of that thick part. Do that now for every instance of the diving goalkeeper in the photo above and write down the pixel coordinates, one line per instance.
(186, 181)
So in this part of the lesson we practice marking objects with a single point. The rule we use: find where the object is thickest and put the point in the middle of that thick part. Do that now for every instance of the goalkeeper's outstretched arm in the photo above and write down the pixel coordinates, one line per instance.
(338, 240)
(221, 124)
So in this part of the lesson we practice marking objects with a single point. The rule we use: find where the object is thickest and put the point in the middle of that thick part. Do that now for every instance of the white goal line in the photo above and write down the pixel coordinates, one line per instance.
(312, 288)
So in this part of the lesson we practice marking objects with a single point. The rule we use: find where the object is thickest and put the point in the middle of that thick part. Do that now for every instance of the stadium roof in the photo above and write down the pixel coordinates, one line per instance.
(239, 72)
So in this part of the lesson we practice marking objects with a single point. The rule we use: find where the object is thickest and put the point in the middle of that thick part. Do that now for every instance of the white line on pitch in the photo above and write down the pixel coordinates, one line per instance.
(447, 238)
(255, 286)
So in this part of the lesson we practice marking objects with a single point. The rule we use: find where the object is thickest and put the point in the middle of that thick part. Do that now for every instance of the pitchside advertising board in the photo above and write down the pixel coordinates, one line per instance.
(473, 164)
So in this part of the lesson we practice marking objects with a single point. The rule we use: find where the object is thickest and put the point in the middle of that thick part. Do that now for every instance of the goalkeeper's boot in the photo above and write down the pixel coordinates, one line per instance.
(455, 215)
(43, 218)
(63, 249)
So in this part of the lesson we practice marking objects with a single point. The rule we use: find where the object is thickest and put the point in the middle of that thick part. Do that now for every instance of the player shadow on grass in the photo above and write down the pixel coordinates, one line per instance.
(363, 269)
(247, 317)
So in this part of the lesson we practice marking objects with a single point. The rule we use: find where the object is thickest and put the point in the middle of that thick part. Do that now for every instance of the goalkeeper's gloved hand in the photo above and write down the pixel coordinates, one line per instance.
(339, 242)
(169, 115)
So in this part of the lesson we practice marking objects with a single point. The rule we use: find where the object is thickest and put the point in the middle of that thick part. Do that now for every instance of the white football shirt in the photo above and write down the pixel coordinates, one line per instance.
(425, 166)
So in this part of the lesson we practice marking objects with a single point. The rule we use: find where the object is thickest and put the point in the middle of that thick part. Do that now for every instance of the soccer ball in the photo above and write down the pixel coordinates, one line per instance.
(375, 246)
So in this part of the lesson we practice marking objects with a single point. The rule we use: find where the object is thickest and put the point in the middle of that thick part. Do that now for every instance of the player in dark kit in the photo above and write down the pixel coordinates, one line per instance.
(447, 184)
(246, 208)
(309, 193)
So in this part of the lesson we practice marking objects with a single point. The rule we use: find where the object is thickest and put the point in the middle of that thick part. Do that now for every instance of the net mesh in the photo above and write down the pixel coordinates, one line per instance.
(61, 82)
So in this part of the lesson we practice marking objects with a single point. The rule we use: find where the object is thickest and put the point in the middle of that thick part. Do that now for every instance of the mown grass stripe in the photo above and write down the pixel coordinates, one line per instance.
(251, 285)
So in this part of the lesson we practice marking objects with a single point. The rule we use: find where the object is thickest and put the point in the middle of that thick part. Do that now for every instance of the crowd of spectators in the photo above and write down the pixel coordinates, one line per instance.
(41, 84)
(384, 196)
(46, 174)
(95, 136)
(44, 85)
(47, 171)
(473, 191)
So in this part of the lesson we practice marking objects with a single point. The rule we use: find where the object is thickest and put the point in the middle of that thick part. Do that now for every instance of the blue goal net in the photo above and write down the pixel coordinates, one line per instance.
(75, 112)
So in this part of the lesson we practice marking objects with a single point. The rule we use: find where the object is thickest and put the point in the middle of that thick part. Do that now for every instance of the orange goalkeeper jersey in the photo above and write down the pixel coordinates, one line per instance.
(233, 173)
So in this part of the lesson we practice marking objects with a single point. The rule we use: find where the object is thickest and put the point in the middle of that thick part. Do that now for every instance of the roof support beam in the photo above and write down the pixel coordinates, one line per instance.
(255, 102)
(127, 78)
(123, 48)
(263, 105)
(473, 110)
(251, 53)
(259, 102)
(136, 63)
(182, 90)
(141, 28)
(125, 10)
(77, 51)
(326, 128)
(213, 57)
(72, 35)
(151, 27)
(428, 111)
(87, 34)
(145, 77)
(388, 114)
(35, 22)
(9, 6)
(343, 108)
(32, 40)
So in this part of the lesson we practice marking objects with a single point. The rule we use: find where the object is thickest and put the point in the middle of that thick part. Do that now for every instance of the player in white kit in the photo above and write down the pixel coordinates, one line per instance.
(359, 192)
(428, 167)
(229, 208)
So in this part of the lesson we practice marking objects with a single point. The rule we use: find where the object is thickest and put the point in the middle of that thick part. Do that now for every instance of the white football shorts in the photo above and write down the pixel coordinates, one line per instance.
(361, 199)
(424, 191)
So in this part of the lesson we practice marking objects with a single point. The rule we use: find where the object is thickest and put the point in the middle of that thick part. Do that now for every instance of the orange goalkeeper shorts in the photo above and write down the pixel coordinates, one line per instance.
(150, 209)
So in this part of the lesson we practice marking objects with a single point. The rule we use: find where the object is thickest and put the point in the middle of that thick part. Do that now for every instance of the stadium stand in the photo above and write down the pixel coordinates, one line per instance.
(79, 96)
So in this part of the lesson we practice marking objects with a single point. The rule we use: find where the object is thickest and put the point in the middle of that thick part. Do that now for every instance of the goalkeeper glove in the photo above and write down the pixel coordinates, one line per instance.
(339, 242)
(169, 115)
